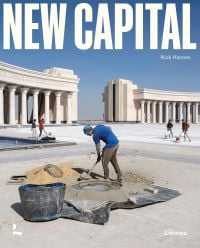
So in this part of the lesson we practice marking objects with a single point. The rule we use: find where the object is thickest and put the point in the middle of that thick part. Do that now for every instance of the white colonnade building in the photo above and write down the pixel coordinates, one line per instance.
(124, 101)
(26, 95)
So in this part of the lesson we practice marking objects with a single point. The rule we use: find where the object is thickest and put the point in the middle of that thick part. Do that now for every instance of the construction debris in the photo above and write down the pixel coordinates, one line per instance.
(151, 190)
(17, 179)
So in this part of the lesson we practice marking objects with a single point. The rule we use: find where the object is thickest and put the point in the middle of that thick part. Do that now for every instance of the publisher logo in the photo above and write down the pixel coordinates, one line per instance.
(16, 232)
(175, 233)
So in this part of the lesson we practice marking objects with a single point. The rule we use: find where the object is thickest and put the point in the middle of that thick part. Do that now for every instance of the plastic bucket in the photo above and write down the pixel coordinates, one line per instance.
(42, 202)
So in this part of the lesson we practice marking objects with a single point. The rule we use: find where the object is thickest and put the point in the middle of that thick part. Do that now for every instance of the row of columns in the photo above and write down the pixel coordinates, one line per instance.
(1, 104)
(152, 104)
(24, 91)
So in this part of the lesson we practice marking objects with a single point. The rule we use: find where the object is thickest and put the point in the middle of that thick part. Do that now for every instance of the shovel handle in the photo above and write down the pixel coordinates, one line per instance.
(89, 172)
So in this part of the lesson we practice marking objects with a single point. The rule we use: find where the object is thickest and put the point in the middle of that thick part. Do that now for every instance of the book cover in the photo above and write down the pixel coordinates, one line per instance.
(68, 66)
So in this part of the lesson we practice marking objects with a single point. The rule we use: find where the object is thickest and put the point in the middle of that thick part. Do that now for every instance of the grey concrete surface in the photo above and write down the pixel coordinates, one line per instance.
(175, 223)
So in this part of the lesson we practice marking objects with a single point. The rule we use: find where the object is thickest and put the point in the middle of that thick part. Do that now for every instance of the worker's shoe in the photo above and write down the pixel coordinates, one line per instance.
(120, 179)
(107, 179)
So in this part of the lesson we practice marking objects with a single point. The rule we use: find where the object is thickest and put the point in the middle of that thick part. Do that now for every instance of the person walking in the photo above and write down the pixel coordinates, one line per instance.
(33, 128)
(185, 127)
(41, 127)
(109, 153)
(169, 129)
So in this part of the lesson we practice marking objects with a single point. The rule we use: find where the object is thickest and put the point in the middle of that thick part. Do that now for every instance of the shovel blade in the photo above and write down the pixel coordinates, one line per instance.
(85, 175)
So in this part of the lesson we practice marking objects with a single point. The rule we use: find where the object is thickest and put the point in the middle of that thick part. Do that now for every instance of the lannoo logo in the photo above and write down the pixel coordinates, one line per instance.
(16, 232)
(175, 233)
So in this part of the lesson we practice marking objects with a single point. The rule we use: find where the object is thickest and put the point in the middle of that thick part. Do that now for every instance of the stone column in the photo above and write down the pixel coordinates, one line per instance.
(196, 112)
(180, 112)
(166, 112)
(1, 104)
(35, 104)
(23, 117)
(46, 106)
(160, 112)
(69, 108)
(148, 112)
(188, 111)
(12, 90)
(174, 112)
(58, 95)
(142, 102)
(154, 111)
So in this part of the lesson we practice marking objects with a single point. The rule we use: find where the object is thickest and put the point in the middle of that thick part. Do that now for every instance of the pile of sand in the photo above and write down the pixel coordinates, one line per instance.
(40, 176)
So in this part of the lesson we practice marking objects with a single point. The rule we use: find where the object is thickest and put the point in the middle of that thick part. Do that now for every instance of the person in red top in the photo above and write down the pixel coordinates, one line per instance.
(185, 127)
(41, 127)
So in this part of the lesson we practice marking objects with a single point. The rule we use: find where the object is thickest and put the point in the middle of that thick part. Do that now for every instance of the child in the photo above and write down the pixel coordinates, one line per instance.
(33, 129)
(169, 128)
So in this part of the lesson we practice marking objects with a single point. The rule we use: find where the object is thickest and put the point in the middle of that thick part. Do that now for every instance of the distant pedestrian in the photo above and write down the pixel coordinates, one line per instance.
(185, 127)
(41, 127)
(169, 129)
(33, 128)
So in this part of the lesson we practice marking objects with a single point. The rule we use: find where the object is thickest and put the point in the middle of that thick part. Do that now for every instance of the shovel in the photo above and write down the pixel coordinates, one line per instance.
(85, 175)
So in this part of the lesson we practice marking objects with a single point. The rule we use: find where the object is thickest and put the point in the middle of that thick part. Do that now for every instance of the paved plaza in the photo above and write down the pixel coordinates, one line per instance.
(144, 151)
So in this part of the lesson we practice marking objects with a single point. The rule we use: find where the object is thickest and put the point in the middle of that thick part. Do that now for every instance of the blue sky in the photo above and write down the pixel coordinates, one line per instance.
(96, 67)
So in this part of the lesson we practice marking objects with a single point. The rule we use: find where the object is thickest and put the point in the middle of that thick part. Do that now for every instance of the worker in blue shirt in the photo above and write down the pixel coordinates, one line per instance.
(109, 153)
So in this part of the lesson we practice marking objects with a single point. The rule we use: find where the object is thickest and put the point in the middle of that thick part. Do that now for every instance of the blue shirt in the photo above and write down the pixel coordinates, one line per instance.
(105, 134)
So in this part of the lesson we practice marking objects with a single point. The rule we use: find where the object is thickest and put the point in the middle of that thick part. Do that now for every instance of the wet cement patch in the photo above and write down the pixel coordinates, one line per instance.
(92, 202)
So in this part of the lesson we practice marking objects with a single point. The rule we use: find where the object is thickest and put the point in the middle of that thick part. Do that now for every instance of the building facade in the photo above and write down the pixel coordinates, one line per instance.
(124, 101)
(26, 95)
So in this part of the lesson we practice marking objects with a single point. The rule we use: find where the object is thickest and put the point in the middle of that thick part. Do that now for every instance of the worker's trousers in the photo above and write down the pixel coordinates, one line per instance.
(110, 155)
